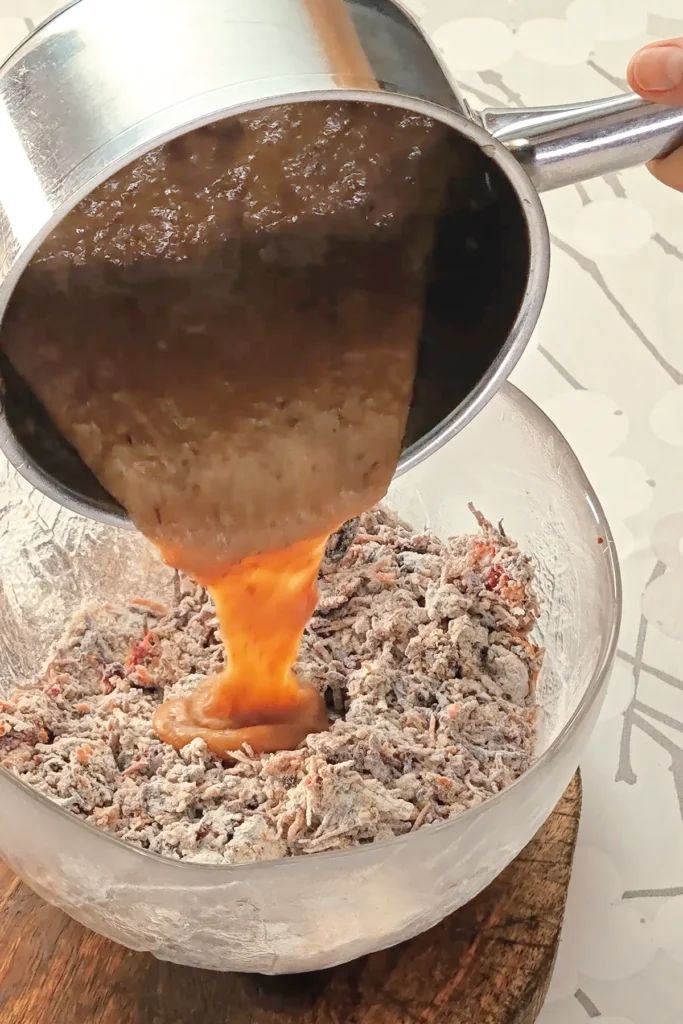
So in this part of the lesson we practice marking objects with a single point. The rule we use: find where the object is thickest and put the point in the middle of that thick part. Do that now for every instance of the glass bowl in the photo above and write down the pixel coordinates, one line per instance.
(311, 912)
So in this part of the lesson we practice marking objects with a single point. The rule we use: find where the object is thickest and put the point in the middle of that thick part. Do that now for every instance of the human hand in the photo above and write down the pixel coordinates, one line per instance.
(656, 72)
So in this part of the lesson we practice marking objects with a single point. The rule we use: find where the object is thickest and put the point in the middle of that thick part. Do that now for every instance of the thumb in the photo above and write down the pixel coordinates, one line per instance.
(656, 72)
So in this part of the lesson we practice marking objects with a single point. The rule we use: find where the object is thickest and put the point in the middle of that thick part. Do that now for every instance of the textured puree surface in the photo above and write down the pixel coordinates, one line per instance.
(246, 300)
(231, 346)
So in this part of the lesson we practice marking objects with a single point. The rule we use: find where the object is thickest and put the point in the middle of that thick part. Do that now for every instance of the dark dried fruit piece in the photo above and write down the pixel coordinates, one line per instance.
(340, 542)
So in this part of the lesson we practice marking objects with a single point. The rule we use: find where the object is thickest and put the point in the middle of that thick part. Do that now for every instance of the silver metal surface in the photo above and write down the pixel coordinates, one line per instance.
(566, 144)
(83, 96)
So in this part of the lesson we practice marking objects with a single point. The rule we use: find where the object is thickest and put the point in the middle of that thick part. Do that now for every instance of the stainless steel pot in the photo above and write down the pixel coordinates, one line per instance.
(104, 81)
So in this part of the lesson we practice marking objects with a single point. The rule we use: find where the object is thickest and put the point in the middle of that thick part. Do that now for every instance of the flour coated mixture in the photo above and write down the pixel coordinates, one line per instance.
(421, 649)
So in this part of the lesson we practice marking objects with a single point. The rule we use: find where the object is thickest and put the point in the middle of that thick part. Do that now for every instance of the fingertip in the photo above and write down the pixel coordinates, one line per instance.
(669, 170)
(656, 72)
(630, 72)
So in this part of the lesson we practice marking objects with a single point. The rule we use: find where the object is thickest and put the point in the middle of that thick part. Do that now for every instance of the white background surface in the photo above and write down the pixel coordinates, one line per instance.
(606, 363)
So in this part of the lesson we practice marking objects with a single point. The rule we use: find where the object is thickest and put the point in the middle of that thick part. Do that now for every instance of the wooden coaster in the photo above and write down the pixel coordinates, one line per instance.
(489, 963)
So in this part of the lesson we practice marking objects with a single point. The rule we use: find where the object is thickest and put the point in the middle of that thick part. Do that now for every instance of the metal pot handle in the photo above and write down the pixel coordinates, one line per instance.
(564, 145)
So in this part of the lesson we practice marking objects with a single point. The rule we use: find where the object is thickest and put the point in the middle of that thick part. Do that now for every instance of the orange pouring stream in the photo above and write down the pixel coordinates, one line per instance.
(263, 604)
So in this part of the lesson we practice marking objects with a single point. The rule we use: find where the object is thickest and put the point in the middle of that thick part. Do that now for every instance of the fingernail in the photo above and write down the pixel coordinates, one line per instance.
(658, 68)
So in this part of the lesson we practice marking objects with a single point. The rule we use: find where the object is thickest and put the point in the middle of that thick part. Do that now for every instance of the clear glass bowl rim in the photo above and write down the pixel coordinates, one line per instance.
(604, 664)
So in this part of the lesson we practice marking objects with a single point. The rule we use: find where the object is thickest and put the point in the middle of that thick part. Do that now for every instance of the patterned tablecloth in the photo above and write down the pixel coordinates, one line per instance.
(606, 362)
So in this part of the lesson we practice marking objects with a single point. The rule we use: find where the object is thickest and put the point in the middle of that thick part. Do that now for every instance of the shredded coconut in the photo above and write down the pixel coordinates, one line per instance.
(420, 647)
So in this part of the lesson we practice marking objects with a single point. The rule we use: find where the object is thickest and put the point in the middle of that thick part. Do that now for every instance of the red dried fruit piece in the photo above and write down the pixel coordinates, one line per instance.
(140, 650)
(494, 576)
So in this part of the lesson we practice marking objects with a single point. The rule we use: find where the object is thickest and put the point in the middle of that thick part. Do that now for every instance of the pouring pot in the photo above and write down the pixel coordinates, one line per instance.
(85, 94)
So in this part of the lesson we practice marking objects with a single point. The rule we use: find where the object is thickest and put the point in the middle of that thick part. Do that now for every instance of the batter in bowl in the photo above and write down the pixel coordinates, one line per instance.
(419, 648)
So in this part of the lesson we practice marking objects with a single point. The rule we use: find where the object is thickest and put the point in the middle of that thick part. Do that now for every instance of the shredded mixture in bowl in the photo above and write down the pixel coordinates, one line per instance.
(420, 647)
